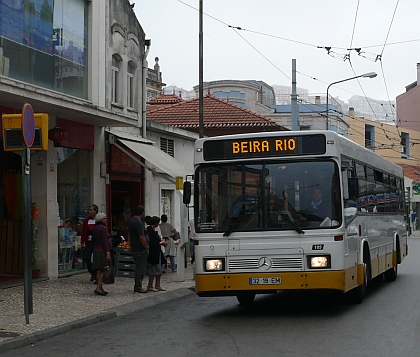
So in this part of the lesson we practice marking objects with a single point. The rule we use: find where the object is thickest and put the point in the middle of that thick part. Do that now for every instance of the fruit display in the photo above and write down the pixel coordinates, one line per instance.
(125, 244)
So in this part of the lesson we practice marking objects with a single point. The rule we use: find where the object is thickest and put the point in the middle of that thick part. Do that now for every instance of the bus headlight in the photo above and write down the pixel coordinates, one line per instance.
(214, 264)
(319, 262)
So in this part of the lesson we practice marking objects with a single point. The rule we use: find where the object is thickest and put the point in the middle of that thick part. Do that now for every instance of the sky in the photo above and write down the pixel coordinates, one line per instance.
(386, 32)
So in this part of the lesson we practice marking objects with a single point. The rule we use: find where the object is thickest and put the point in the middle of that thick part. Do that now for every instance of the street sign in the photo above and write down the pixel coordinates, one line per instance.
(28, 125)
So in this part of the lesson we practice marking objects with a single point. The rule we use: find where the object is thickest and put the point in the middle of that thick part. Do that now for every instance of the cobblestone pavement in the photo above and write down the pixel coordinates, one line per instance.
(64, 300)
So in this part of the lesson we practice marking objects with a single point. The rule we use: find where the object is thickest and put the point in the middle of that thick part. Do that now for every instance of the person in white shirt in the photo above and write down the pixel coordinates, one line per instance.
(191, 236)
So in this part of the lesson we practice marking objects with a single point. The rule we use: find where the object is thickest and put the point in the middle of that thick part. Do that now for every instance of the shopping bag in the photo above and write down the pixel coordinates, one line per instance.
(109, 275)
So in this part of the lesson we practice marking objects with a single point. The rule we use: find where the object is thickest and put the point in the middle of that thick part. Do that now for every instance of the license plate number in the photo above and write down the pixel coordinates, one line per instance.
(265, 281)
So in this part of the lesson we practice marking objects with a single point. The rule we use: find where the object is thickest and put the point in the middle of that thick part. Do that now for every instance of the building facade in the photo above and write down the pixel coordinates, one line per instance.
(252, 95)
(84, 64)
(397, 145)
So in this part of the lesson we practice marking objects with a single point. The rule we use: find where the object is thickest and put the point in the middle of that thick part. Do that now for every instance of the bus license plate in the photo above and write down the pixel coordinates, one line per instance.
(265, 281)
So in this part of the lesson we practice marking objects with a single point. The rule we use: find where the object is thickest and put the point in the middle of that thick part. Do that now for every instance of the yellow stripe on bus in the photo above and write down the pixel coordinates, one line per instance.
(335, 280)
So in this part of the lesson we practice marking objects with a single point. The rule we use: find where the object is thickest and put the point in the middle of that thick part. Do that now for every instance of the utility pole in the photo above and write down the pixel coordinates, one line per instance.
(200, 76)
(295, 108)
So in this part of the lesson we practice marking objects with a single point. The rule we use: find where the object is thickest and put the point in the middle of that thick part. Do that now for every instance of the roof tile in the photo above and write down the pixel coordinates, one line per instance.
(218, 113)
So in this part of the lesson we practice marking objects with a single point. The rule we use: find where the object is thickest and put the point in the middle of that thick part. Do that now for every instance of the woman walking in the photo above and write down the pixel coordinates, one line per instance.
(101, 251)
(154, 264)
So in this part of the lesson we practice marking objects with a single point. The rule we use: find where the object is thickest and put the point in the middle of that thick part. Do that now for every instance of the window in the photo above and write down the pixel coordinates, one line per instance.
(370, 137)
(150, 95)
(405, 145)
(115, 89)
(305, 127)
(130, 85)
(167, 145)
(269, 196)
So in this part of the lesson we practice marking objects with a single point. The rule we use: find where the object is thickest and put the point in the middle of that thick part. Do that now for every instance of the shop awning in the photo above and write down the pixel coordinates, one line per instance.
(158, 161)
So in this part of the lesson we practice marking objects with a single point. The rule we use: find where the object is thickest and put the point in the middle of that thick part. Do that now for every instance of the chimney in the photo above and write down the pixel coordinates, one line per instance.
(351, 112)
(418, 74)
(318, 99)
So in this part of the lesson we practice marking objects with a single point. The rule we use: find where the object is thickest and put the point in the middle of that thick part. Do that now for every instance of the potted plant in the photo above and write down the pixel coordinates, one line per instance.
(34, 226)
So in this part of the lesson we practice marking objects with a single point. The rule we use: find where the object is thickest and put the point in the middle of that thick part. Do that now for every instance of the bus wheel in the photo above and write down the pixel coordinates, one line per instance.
(246, 299)
(357, 295)
(391, 274)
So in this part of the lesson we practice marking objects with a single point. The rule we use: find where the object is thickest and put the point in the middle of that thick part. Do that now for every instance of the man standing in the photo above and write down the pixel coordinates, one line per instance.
(139, 243)
(191, 234)
(87, 241)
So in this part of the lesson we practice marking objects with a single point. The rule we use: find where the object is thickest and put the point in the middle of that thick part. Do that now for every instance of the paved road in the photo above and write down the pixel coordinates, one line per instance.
(288, 324)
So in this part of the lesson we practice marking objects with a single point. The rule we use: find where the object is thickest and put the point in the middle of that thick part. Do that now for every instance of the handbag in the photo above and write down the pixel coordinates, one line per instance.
(109, 275)
(176, 237)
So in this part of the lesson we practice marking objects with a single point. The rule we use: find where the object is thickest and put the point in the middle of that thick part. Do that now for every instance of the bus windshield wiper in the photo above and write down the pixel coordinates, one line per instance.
(289, 217)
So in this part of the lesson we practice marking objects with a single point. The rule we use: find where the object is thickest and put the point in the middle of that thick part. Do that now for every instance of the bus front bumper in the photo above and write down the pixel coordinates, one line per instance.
(231, 284)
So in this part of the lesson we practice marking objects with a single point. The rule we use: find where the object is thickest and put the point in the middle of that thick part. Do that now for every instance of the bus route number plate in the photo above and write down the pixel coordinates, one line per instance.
(265, 281)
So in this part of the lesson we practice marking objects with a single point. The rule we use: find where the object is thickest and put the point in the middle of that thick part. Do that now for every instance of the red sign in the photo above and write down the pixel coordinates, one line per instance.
(121, 162)
(28, 125)
(76, 135)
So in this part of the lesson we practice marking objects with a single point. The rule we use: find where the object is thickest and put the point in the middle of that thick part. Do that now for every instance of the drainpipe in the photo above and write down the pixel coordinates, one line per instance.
(144, 89)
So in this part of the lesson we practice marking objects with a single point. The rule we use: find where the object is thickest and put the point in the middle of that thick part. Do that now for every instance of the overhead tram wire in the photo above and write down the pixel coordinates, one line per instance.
(354, 24)
(368, 101)
(361, 133)
(249, 43)
(380, 60)
(329, 49)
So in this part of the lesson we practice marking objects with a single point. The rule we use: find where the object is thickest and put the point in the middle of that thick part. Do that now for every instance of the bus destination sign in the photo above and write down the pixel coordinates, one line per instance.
(259, 147)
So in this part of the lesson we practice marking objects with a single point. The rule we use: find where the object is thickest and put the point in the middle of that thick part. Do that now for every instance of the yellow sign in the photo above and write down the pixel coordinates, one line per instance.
(242, 147)
(12, 132)
(179, 183)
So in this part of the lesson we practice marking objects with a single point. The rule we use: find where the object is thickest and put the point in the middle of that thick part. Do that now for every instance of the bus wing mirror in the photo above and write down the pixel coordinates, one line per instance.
(353, 188)
(186, 199)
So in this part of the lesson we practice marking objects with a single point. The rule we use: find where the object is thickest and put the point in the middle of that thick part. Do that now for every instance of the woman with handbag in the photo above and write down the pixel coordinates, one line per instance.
(169, 234)
(101, 252)
(154, 264)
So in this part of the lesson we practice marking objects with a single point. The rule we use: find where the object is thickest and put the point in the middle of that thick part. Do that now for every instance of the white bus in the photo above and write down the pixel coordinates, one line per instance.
(261, 226)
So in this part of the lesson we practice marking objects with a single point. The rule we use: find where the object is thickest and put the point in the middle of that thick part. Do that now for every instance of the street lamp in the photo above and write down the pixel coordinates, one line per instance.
(366, 75)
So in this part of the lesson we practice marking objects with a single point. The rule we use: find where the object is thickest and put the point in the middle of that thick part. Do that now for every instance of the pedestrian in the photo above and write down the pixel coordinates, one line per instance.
(139, 245)
(101, 253)
(191, 236)
(87, 243)
(168, 232)
(163, 261)
(154, 267)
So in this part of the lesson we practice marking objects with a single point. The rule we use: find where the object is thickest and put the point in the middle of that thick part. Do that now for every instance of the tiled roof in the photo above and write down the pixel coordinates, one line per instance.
(218, 114)
(412, 172)
(164, 100)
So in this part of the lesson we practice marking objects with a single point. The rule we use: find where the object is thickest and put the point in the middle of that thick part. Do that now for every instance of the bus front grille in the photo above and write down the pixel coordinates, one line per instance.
(271, 264)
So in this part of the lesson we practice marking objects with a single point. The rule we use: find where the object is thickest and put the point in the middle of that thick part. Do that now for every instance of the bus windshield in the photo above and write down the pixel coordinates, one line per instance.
(292, 195)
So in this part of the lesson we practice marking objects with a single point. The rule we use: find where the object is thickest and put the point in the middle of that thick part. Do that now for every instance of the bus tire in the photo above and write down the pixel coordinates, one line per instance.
(246, 299)
(391, 274)
(357, 295)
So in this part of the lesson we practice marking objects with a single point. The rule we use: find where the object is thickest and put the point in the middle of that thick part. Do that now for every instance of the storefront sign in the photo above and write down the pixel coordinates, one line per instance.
(78, 135)
(121, 162)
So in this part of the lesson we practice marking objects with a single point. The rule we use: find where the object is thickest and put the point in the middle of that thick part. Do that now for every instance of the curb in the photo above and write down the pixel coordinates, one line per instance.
(106, 315)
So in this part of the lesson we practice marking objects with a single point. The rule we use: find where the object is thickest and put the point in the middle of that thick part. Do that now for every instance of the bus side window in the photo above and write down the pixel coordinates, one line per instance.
(353, 186)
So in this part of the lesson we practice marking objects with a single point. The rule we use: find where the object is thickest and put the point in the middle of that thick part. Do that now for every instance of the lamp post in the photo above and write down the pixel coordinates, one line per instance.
(366, 75)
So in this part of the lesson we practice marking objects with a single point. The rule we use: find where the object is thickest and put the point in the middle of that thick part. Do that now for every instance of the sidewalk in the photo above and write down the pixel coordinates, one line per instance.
(63, 304)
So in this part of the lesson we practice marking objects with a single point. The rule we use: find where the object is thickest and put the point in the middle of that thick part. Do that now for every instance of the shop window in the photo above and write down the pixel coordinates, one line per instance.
(73, 196)
(167, 145)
